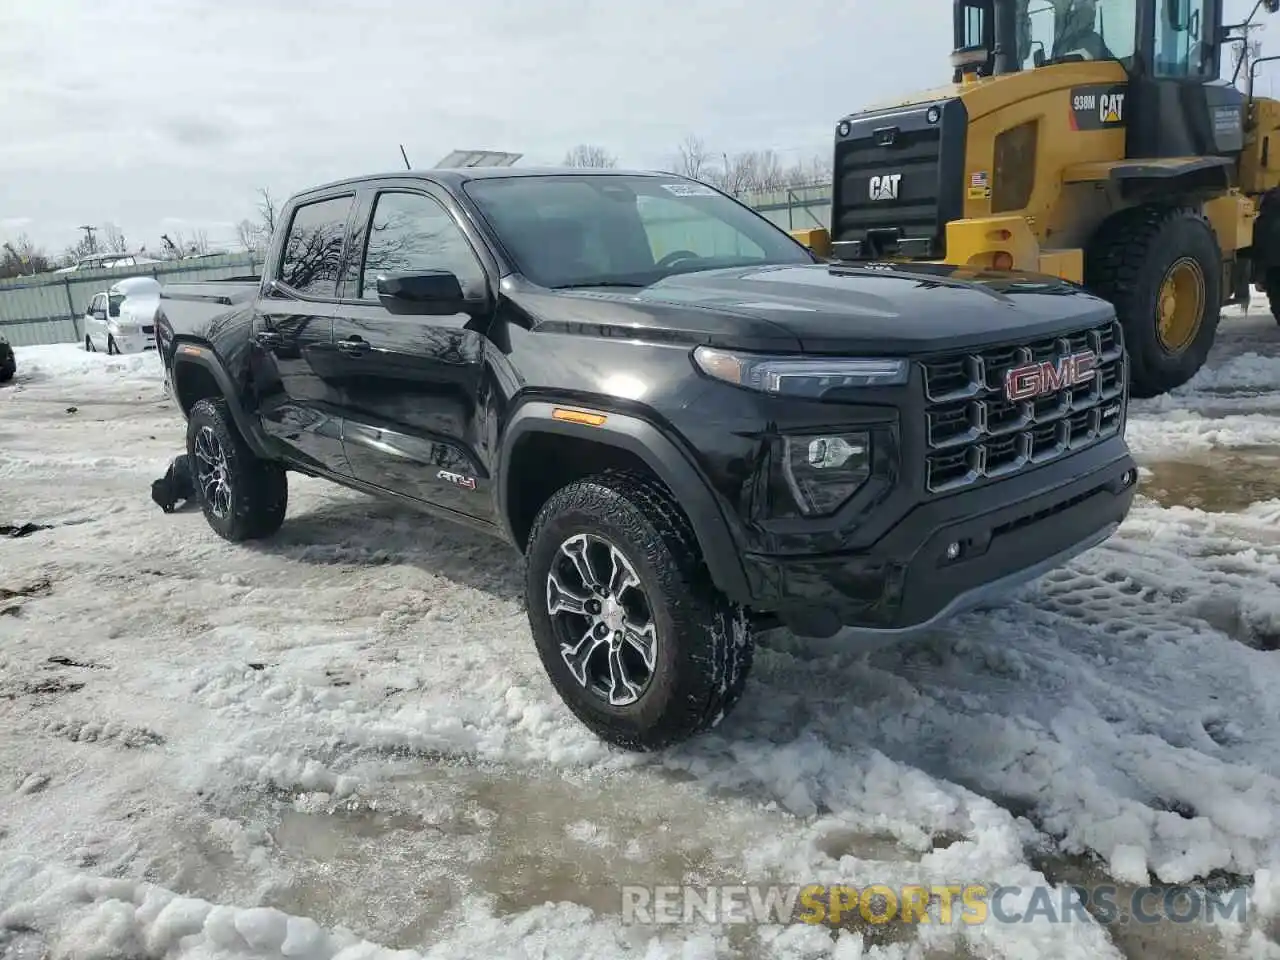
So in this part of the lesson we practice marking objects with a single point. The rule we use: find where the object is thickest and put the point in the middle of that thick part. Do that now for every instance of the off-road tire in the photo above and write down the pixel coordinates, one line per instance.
(704, 642)
(1126, 264)
(259, 488)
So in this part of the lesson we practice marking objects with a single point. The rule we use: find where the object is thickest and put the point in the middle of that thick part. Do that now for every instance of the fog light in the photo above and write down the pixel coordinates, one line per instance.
(828, 452)
(1130, 476)
(843, 129)
(953, 551)
(825, 471)
(933, 115)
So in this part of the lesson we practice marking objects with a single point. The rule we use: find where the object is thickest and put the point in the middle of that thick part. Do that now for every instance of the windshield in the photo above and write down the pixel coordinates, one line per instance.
(1054, 31)
(566, 230)
(114, 302)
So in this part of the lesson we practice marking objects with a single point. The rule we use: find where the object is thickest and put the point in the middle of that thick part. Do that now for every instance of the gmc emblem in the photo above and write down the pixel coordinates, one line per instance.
(1036, 379)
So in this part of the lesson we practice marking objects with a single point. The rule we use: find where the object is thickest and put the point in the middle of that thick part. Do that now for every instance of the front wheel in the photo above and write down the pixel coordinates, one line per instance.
(112, 349)
(243, 497)
(88, 344)
(1161, 268)
(636, 639)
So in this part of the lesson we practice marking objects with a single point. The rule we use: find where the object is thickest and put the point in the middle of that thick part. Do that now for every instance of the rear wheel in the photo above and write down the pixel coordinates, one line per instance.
(243, 497)
(1161, 268)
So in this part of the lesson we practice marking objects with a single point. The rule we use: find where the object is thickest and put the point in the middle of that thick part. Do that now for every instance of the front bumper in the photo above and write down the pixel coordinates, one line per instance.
(1009, 533)
(134, 342)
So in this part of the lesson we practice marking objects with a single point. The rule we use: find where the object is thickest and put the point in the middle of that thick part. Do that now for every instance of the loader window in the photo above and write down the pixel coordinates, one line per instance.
(1060, 31)
(1183, 45)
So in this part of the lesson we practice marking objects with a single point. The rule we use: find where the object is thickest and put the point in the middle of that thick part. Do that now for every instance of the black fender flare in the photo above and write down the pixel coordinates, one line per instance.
(189, 353)
(662, 456)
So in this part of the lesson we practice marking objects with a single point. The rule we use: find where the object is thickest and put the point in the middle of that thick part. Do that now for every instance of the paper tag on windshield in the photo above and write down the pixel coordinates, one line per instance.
(689, 189)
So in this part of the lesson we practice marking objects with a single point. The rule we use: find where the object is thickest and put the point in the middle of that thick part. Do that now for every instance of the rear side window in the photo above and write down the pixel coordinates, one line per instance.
(313, 250)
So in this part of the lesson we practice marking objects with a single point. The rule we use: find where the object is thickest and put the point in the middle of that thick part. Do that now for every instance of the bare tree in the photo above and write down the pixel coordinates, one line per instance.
(248, 234)
(113, 240)
(589, 155)
(199, 245)
(22, 258)
(693, 159)
(816, 171)
(267, 211)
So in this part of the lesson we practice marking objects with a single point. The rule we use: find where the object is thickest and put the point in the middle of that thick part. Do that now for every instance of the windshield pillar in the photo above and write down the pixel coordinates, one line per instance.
(1007, 58)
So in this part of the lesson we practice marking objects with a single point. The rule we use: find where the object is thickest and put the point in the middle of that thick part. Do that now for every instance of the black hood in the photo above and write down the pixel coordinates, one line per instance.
(903, 308)
(877, 309)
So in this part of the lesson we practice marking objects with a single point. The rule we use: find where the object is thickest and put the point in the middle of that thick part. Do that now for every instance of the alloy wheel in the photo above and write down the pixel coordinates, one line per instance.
(212, 472)
(602, 618)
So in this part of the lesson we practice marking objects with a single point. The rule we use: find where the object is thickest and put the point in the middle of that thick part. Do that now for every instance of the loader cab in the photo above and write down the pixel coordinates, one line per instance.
(1173, 103)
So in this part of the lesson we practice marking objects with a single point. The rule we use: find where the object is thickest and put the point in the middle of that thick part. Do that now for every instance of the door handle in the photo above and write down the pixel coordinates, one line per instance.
(267, 338)
(354, 346)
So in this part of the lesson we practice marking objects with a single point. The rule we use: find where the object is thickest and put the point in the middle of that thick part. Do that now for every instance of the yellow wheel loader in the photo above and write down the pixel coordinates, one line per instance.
(1088, 139)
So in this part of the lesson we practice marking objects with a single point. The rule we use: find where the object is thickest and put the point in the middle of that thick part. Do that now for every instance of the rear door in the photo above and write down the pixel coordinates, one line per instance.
(409, 382)
(293, 337)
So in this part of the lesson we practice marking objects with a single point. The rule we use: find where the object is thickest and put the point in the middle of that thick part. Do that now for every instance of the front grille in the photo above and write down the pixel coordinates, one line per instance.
(975, 434)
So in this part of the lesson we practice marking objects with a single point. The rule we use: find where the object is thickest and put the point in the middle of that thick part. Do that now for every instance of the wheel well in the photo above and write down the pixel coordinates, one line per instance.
(193, 383)
(542, 463)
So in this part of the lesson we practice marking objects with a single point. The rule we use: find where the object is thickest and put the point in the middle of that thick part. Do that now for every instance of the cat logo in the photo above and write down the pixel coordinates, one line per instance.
(1111, 107)
(885, 187)
(1098, 107)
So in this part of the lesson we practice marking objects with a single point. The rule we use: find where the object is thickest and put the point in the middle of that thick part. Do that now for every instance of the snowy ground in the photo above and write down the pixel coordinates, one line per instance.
(342, 737)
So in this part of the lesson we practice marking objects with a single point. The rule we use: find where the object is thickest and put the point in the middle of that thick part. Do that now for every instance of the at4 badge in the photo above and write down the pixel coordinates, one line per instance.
(1098, 107)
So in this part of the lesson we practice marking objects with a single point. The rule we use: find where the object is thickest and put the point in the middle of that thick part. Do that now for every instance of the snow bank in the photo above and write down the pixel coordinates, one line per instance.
(69, 362)
(96, 918)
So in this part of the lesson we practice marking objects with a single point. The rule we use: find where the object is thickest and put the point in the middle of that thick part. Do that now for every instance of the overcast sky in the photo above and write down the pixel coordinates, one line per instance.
(167, 115)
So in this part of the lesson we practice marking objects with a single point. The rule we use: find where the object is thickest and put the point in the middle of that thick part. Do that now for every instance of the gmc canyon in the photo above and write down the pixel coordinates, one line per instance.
(686, 421)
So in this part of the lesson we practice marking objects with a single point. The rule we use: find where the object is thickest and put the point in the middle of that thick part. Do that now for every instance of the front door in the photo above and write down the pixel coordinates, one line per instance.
(293, 348)
(409, 383)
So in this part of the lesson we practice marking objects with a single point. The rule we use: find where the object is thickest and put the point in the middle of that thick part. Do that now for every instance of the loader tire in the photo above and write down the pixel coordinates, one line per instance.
(1161, 268)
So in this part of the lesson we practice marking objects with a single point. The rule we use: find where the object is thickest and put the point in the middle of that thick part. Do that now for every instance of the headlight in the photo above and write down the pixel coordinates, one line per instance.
(825, 470)
(799, 376)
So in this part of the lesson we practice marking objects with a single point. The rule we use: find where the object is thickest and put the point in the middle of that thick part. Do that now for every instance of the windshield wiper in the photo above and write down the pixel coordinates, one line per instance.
(598, 283)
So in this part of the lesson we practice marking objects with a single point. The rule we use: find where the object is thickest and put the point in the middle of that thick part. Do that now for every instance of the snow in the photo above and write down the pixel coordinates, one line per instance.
(339, 743)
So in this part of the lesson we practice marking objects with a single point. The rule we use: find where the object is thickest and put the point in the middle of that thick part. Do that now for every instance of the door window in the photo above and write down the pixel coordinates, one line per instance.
(1184, 40)
(412, 233)
(97, 306)
(313, 250)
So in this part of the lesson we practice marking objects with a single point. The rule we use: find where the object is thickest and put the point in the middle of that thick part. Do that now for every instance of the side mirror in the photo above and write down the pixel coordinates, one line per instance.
(434, 292)
(1273, 6)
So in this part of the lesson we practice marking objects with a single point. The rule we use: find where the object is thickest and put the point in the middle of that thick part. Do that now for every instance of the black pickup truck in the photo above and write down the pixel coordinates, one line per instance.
(685, 421)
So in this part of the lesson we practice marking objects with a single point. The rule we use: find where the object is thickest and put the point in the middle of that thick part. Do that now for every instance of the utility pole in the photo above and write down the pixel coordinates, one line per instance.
(1246, 53)
(91, 244)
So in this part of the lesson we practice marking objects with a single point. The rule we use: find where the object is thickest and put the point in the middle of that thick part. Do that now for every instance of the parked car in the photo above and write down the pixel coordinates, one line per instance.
(687, 422)
(122, 319)
(8, 362)
(107, 261)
